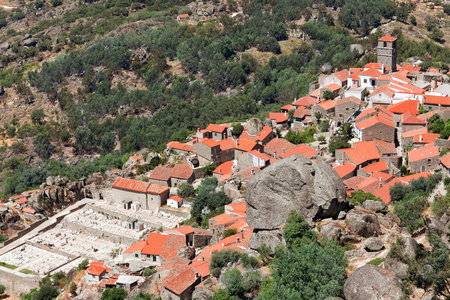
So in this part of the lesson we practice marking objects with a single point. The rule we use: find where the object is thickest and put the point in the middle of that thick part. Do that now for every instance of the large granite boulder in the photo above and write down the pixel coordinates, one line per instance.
(372, 283)
(373, 244)
(363, 223)
(254, 126)
(313, 189)
(271, 238)
(399, 268)
(375, 206)
(337, 231)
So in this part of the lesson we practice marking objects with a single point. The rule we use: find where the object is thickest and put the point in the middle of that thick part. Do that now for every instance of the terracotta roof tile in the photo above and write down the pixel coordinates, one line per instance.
(278, 117)
(161, 173)
(353, 183)
(131, 185)
(300, 149)
(175, 198)
(445, 160)
(348, 99)
(224, 168)
(183, 16)
(305, 101)
(383, 89)
(425, 138)
(95, 268)
(345, 169)
(182, 282)
(22, 200)
(373, 65)
(327, 105)
(342, 75)
(216, 128)
(180, 146)
(248, 172)
(423, 153)
(409, 178)
(402, 107)
(136, 247)
(368, 150)
(408, 118)
(384, 191)
(385, 147)
(156, 189)
(436, 100)
(333, 87)
(286, 107)
(227, 144)
(210, 143)
(278, 146)
(183, 171)
(414, 132)
(154, 244)
(381, 175)
(372, 121)
(378, 166)
(182, 229)
(388, 38)
(261, 136)
(202, 267)
(354, 155)
(246, 145)
(302, 112)
(371, 72)
(172, 245)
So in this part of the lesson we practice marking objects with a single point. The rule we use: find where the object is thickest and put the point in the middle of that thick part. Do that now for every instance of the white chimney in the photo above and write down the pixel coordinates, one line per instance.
(274, 154)
(420, 138)
(381, 179)
(237, 240)
(220, 170)
(253, 172)
(285, 113)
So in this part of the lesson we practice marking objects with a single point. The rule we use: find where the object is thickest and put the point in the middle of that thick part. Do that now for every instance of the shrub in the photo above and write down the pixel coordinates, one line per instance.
(221, 259)
(83, 265)
(376, 261)
(148, 272)
(229, 232)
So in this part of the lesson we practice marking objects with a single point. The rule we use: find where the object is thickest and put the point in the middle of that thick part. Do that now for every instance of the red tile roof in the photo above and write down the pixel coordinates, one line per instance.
(408, 118)
(385, 147)
(348, 99)
(184, 16)
(182, 229)
(445, 160)
(248, 172)
(246, 145)
(286, 107)
(210, 143)
(182, 282)
(371, 72)
(425, 138)
(302, 112)
(95, 268)
(304, 101)
(342, 75)
(180, 146)
(261, 136)
(414, 132)
(278, 146)
(381, 175)
(372, 121)
(368, 150)
(388, 38)
(384, 191)
(154, 244)
(410, 68)
(224, 168)
(226, 219)
(262, 156)
(402, 107)
(333, 87)
(373, 65)
(423, 153)
(378, 166)
(156, 189)
(202, 267)
(227, 144)
(239, 208)
(22, 201)
(352, 183)
(216, 128)
(136, 247)
(409, 178)
(383, 89)
(29, 210)
(278, 117)
(327, 105)
(354, 155)
(172, 245)
(375, 111)
(131, 185)
(345, 169)
(183, 171)
(300, 149)
(161, 173)
(175, 198)
(436, 100)
(16, 197)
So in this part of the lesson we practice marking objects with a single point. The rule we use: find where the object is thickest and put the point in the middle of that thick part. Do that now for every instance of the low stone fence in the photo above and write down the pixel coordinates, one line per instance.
(25, 231)
(18, 283)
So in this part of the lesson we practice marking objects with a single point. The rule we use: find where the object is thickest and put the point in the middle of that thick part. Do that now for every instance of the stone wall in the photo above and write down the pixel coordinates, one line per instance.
(119, 215)
(23, 232)
(18, 284)
(115, 238)
(442, 144)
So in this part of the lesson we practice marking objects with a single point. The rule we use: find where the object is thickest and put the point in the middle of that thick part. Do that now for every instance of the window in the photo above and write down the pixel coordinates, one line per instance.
(340, 115)
(136, 255)
(148, 255)
(384, 44)
(429, 161)
(346, 108)
(365, 80)
(154, 257)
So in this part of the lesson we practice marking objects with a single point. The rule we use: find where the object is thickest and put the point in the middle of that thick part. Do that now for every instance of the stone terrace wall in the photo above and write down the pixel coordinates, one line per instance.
(18, 284)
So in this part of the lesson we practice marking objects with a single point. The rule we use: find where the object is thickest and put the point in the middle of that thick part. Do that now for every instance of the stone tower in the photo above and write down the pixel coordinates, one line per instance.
(387, 52)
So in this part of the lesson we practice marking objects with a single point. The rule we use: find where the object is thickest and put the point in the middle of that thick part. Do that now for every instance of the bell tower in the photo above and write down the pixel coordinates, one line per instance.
(387, 52)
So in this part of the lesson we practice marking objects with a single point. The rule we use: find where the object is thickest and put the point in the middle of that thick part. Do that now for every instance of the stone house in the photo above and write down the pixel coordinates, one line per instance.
(326, 109)
(182, 286)
(150, 195)
(445, 161)
(180, 148)
(306, 101)
(210, 150)
(436, 102)
(423, 159)
(279, 119)
(408, 137)
(262, 138)
(244, 145)
(96, 271)
(194, 237)
(218, 132)
(345, 108)
(398, 109)
(254, 159)
(410, 122)
(181, 173)
(377, 111)
(382, 96)
(361, 155)
(345, 171)
(156, 248)
(175, 202)
(339, 78)
(375, 128)
(161, 175)
(424, 139)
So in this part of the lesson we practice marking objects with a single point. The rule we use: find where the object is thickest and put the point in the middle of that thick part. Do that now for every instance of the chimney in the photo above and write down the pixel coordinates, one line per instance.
(274, 154)
(203, 258)
(223, 245)
(420, 138)
(435, 83)
(237, 240)
(242, 236)
(381, 179)
(253, 171)
(285, 113)
(196, 275)
(198, 129)
(220, 170)
(259, 150)
(418, 105)
(380, 185)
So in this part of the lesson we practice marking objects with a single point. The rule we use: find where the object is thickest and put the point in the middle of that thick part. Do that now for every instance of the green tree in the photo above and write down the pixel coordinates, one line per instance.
(73, 288)
(221, 259)
(327, 95)
(186, 190)
(229, 232)
(114, 294)
(324, 126)
(209, 168)
(334, 145)
(234, 282)
(2, 289)
(237, 129)
(296, 231)
(83, 265)
(359, 196)
(142, 296)
(37, 116)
